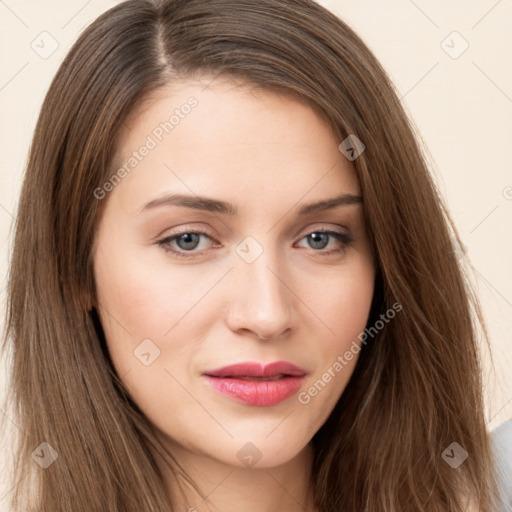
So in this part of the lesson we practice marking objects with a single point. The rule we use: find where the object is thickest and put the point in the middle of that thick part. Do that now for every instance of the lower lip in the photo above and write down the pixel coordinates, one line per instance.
(257, 392)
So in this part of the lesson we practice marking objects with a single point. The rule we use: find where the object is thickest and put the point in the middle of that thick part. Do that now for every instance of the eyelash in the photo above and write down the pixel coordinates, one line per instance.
(343, 238)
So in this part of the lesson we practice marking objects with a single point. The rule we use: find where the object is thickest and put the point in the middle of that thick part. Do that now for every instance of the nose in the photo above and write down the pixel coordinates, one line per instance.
(261, 299)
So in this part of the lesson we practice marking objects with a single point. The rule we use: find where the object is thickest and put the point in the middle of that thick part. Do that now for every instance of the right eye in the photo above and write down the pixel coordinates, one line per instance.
(186, 241)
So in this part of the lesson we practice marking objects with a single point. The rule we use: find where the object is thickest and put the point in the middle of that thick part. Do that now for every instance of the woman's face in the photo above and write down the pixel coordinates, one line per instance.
(210, 254)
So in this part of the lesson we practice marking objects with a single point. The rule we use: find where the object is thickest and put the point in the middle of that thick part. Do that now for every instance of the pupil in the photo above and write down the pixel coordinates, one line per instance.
(188, 238)
(318, 237)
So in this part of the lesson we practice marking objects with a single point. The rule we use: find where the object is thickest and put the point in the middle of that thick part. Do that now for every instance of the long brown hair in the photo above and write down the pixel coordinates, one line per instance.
(417, 386)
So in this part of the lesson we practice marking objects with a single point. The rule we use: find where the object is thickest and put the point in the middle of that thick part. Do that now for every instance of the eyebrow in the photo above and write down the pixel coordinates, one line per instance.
(218, 206)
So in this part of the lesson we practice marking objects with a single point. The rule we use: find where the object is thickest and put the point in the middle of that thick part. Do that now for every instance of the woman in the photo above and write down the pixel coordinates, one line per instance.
(233, 282)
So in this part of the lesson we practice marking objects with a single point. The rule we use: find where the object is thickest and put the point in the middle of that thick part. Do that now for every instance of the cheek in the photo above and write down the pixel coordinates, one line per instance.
(146, 309)
(344, 304)
(143, 300)
(127, 303)
(344, 310)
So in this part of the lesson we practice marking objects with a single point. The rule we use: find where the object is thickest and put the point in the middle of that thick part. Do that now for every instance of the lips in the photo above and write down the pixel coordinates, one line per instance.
(255, 384)
(272, 370)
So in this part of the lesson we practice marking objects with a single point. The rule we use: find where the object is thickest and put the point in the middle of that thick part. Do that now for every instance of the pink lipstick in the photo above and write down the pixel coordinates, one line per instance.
(255, 384)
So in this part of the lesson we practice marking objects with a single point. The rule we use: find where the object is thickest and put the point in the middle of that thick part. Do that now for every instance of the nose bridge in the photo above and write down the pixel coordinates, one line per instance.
(262, 301)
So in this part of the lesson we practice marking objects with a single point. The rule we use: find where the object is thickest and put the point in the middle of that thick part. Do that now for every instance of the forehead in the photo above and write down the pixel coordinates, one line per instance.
(226, 138)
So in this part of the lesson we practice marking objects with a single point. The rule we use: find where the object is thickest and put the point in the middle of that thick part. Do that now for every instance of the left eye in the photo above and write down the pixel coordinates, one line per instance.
(320, 239)
(188, 241)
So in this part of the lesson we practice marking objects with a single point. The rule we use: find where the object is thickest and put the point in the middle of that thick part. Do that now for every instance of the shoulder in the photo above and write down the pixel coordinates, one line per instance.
(502, 444)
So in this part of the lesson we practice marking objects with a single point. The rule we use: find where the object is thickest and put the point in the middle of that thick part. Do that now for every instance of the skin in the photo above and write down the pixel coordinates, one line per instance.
(268, 155)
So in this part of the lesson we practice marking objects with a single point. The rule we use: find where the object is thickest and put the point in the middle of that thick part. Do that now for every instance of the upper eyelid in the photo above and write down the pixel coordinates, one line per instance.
(317, 226)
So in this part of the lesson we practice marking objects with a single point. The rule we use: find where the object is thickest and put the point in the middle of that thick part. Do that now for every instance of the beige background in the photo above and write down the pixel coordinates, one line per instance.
(460, 99)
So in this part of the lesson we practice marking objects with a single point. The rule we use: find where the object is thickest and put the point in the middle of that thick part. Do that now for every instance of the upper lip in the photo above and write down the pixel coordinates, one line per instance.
(252, 369)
